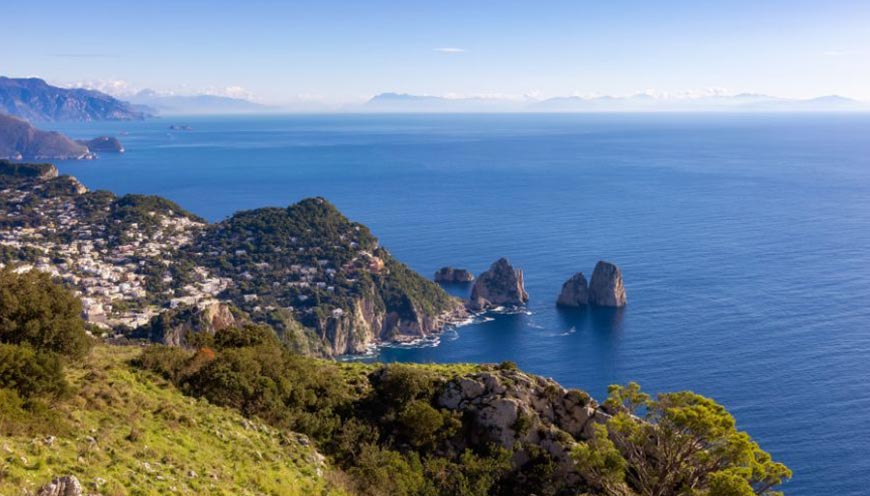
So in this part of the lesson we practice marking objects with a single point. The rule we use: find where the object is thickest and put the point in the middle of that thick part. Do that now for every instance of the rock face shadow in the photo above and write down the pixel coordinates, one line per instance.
(607, 319)
(576, 318)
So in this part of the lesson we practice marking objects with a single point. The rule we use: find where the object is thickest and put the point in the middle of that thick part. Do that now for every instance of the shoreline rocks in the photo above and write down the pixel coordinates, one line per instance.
(452, 275)
(606, 288)
(501, 285)
(575, 292)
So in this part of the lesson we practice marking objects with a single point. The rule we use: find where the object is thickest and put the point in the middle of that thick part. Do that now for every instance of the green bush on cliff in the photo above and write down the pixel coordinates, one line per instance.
(676, 443)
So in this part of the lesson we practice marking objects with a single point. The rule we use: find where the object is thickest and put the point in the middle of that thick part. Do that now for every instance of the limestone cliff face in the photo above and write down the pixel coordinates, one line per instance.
(176, 327)
(606, 288)
(515, 410)
(575, 292)
(501, 285)
(453, 275)
(369, 323)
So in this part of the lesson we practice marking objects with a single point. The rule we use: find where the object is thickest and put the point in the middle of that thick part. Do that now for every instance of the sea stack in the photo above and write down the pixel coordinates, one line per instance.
(451, 275)
(501, 285)
(575, 292)
(605, 287)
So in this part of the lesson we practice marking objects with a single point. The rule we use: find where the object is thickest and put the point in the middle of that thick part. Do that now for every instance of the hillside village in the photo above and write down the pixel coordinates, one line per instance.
(133, 257)
(109, 262)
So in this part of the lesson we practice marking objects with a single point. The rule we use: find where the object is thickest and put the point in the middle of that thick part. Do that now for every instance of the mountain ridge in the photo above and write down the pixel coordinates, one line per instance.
(33, 99)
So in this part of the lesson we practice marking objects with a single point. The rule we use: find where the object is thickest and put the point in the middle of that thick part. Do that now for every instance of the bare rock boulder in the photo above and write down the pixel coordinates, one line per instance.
(605, 287)
(575, 292)
(67, 485)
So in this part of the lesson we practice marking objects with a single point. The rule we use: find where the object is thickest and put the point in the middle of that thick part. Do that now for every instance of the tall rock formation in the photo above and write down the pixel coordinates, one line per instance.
(575, 292)
(501, 285)
(606, 288)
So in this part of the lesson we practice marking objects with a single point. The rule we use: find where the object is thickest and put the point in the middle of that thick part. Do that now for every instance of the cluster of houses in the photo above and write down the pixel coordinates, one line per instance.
(109, 278)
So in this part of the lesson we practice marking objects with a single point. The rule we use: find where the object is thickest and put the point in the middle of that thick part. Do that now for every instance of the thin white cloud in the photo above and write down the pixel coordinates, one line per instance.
(114, 87)
(450, 50)
(231, 92)
(836, 53)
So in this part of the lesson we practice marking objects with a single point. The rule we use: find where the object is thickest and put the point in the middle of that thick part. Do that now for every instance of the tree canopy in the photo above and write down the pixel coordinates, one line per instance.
(38, 312)
(675, 444)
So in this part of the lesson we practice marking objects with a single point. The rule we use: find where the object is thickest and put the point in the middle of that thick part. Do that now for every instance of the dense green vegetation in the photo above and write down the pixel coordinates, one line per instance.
(240, 411)
(677, 443)
(17, 169)
(311, 260)
(378, 423)
(41, 330)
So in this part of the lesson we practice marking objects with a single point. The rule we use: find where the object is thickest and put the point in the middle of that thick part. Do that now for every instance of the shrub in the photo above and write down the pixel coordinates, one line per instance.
(31, 373)
(249, 335)
(39, 312)
(383, 472)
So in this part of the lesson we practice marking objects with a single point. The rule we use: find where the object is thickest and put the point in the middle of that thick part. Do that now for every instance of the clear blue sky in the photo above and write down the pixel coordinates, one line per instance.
(341, 51)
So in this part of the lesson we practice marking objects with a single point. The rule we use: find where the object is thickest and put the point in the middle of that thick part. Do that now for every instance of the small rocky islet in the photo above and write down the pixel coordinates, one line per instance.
(502, 286)
(606, 288)
(451, 275)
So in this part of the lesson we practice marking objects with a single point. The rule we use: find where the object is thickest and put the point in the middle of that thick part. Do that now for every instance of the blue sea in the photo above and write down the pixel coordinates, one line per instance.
(744, 241)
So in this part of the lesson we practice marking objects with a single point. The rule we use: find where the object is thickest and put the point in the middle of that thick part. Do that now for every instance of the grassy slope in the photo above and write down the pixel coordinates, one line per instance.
(132, 433)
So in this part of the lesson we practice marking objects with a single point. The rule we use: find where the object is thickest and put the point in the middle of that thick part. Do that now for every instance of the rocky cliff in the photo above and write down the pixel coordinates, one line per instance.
(180, 326)
(521, 413)
(328, 272)
(575, 292)
(19, 140)
(606, 288)
(35, 100)
(501, 285)
(451, 275)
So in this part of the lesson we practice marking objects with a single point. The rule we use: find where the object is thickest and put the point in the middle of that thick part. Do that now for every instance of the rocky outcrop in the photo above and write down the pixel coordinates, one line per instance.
(19, 140)
(103, 144)
(515, 410)
(501, 285)
(575, 292)
(605, 287)
(67, 485)
(368, 323)
(176, 327)
(39, 172)
(451, 275)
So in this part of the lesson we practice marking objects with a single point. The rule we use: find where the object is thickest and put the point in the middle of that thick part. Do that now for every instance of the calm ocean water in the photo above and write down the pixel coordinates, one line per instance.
(744, 241)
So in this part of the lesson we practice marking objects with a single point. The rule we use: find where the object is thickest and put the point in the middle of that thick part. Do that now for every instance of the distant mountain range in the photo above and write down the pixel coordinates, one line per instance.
(35, 100)
(399, 102)
(195, 104)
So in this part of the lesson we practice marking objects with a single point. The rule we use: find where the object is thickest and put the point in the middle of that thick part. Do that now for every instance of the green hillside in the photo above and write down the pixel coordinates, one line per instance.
(124, 431)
